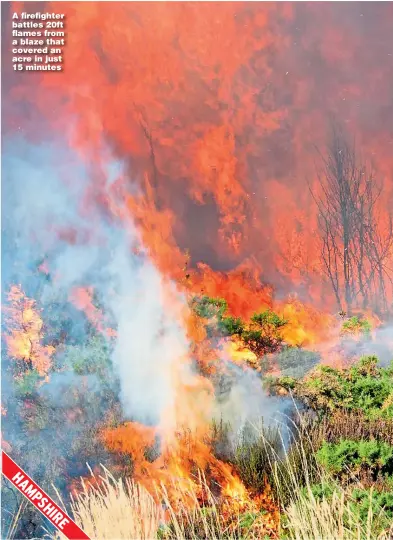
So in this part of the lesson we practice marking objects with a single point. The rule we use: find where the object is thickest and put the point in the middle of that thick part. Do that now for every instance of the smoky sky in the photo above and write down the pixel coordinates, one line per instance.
(327, 60)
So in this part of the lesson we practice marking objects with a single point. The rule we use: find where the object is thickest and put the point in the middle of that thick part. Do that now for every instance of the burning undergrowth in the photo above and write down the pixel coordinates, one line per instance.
(110, 362)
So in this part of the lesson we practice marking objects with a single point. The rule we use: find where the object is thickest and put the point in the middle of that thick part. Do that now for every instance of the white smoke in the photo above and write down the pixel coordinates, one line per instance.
(149, 341)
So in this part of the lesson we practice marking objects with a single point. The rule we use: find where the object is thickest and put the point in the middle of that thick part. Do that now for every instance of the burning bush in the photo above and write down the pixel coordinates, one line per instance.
(25, 334)
(261, 334)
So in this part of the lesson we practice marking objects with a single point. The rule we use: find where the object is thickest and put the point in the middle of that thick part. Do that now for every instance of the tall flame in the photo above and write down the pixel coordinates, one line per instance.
(215, 112)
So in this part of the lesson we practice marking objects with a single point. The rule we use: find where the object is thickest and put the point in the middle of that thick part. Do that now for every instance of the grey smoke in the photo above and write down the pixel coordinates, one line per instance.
(40, 203)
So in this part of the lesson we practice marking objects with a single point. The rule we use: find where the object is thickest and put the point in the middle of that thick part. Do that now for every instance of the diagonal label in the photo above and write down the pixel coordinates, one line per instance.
(40, 499)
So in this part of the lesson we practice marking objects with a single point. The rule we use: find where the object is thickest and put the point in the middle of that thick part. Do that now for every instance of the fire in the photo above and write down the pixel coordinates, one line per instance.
(178, 469)
(217, 138)
(239, 354)
(173, 454)
(212, 111)
(307, 326)
(25, 332)
(241, 288)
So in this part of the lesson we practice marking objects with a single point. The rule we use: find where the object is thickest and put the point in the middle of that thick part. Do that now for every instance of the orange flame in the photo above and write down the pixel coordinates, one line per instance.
(220, 141)
(25, 332)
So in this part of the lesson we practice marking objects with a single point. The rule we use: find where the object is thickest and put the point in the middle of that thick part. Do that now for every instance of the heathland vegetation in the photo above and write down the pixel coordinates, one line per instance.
(326, 471)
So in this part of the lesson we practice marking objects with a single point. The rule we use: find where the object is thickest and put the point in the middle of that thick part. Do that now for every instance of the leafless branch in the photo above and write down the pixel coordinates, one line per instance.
(355, 251)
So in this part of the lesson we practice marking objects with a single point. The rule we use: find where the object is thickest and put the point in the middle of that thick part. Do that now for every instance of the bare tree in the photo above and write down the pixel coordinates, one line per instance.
(355, 251)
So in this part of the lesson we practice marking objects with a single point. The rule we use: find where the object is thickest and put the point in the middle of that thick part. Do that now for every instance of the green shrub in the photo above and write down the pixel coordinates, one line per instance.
(323, 490)
(356, 326)
(363, 505)
(373, 457)
(230, 326)
(288, 383)
(262, 334)
(363, 387)
(364, 367)
(26, 384)
(380, 502)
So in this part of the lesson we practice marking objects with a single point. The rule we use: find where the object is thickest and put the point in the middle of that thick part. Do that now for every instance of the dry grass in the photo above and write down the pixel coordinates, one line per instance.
(117, 511)
(192, 521)
(310, 519)
(348, 425)
(214, 519)
(114, 509)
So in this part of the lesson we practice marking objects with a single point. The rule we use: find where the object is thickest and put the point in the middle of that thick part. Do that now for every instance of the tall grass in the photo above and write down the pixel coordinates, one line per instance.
(113, 509)
(117, 511)
(308, 518)
(196, 522)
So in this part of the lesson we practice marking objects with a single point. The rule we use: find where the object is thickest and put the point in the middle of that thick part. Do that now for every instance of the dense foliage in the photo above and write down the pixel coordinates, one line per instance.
(338, 438)
(365, 387)
(349, 457)
(346, 430)
(356, 326)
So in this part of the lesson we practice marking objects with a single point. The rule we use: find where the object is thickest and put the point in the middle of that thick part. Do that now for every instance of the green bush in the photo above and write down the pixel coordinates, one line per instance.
(373, 457)
(361, 502)
(380, 502)
(356, 326)
(324, 490)
(263, 334)
(231, 326)
(364, 367)
(26, 384)
(363, 387)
